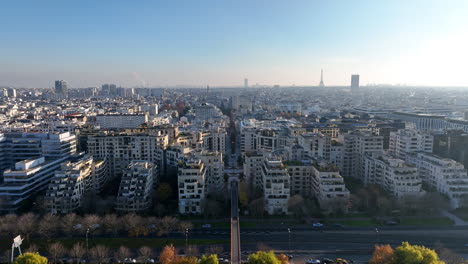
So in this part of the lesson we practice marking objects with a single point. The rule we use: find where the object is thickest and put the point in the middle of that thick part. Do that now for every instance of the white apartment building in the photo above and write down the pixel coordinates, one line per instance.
(336, 153)
(74, 178)
(406, 141)
(214, 178)
(290, 108)
(301, 175)
(136, 187)
(328, 185)
(121, 148)
(27, 178)
(252, 168)
(316, 145)
(355, 145)
(191, 178)
(396, 176)
(214, 140)
(206, 111)
(447, 176)
(117, 120)
(276, 186)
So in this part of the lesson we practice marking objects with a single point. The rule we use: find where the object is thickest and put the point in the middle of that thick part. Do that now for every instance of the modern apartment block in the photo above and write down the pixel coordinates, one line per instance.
(355, 145)
(26, 179)
(445, 175)
(276, 185)
(191, 178)
(72, 181)
(213, 161)
(316, 145)
(394, 175)
(328, 185)
(405, 141)
(136, 187)
(31, 145)
(252, 169)
(108, 121)
(301, 175)
(121, 148)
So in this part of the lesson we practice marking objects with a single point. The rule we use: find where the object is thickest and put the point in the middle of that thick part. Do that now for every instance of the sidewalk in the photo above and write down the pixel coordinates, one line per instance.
(457, 221)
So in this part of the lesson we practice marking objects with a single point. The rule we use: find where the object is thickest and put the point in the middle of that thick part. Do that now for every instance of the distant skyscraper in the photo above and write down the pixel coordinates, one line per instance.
(61, 87)
(246, 82)
(321, 84)
(355, 81)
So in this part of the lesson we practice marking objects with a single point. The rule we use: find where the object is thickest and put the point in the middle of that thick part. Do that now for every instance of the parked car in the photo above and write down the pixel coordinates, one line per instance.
(317, 224)
(313, 261)
(206, 226)
(328, 261)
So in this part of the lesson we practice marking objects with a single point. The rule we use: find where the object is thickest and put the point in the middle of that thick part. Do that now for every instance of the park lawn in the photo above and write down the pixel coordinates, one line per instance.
(428, 221)
(132, 243)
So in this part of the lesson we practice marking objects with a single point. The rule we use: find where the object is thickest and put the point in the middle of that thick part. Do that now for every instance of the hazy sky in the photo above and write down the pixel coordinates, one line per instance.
(219, 42)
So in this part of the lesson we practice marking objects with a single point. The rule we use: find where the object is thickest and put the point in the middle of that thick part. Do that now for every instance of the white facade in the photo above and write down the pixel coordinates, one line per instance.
(445, 175)
(329, 186)
(276, 186)
(136, 187)
(394, 175)
(405, 141)
(316, 145)
(191, 178)
(121, 120)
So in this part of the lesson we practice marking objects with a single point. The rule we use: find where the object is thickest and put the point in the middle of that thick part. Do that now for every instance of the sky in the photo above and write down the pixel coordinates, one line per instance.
(221, 42)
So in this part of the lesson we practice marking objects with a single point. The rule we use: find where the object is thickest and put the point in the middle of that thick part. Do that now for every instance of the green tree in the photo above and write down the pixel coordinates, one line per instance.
(211, 259)
(262, 257)
(410, 254)
(30, 258)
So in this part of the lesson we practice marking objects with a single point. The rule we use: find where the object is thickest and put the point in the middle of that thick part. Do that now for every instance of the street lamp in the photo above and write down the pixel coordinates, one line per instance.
(289, 239)
(87, 245)
(186, 238)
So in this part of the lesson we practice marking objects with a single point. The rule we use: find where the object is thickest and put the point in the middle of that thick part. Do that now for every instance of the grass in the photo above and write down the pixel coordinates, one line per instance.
(117, 242)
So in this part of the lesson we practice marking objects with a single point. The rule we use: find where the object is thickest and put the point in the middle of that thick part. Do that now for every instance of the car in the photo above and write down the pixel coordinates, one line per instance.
(391, 222)
(328, 261)
(317, 224)
(313, 261)
(337, 225)
(206, 226)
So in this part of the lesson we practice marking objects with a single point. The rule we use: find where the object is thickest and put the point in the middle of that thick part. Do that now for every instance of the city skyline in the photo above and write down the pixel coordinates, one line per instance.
(218, 43)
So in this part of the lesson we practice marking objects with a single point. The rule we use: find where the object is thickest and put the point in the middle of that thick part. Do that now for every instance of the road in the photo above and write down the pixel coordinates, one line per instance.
(235, 230)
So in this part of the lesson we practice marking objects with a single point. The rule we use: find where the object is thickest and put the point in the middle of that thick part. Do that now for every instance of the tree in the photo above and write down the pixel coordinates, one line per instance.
(30, 258)
(144, 254)
(184, 225)
(99, 253)
(135, 225)
(27, 224)
(111, 224)
(163, 192)
(77, 252)
(56, 251)
(166, 225)
(212, 208)
(122, 253)
(410, 254)
(48, 225)
(33, 248)
(262, 257)
(192, 250)
(8, 225)
(93, 222)
(244, 194)
(382, 254)
(295, 205)
(68, 224)
(214, 249)
(283, 259)
(257, 207)
(167, 254)
(211, 259)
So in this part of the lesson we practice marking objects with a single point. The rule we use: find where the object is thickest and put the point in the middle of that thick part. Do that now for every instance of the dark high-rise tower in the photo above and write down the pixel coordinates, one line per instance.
(354, 81)
(61, 87)
(321, 84)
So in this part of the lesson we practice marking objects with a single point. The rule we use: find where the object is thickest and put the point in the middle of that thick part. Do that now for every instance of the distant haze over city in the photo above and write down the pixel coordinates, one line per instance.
(218, 43)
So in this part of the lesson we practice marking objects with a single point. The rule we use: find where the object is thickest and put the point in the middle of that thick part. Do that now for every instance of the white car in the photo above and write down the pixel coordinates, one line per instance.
(313, 261)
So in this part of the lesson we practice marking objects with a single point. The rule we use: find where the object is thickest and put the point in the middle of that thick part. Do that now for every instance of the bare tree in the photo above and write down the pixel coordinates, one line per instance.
(56, 251)
(166, 225)
(135, 225)
(263, 247)
(144, 254)
(27, 224)
(214, 250)
(8, 225)
(122, 253)
(68, 224)
(93, 222)
(99, 253)
(184, 225)
(48, 225)
(111, 224)
(192, 250)
(77, 252)
(33, 248)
